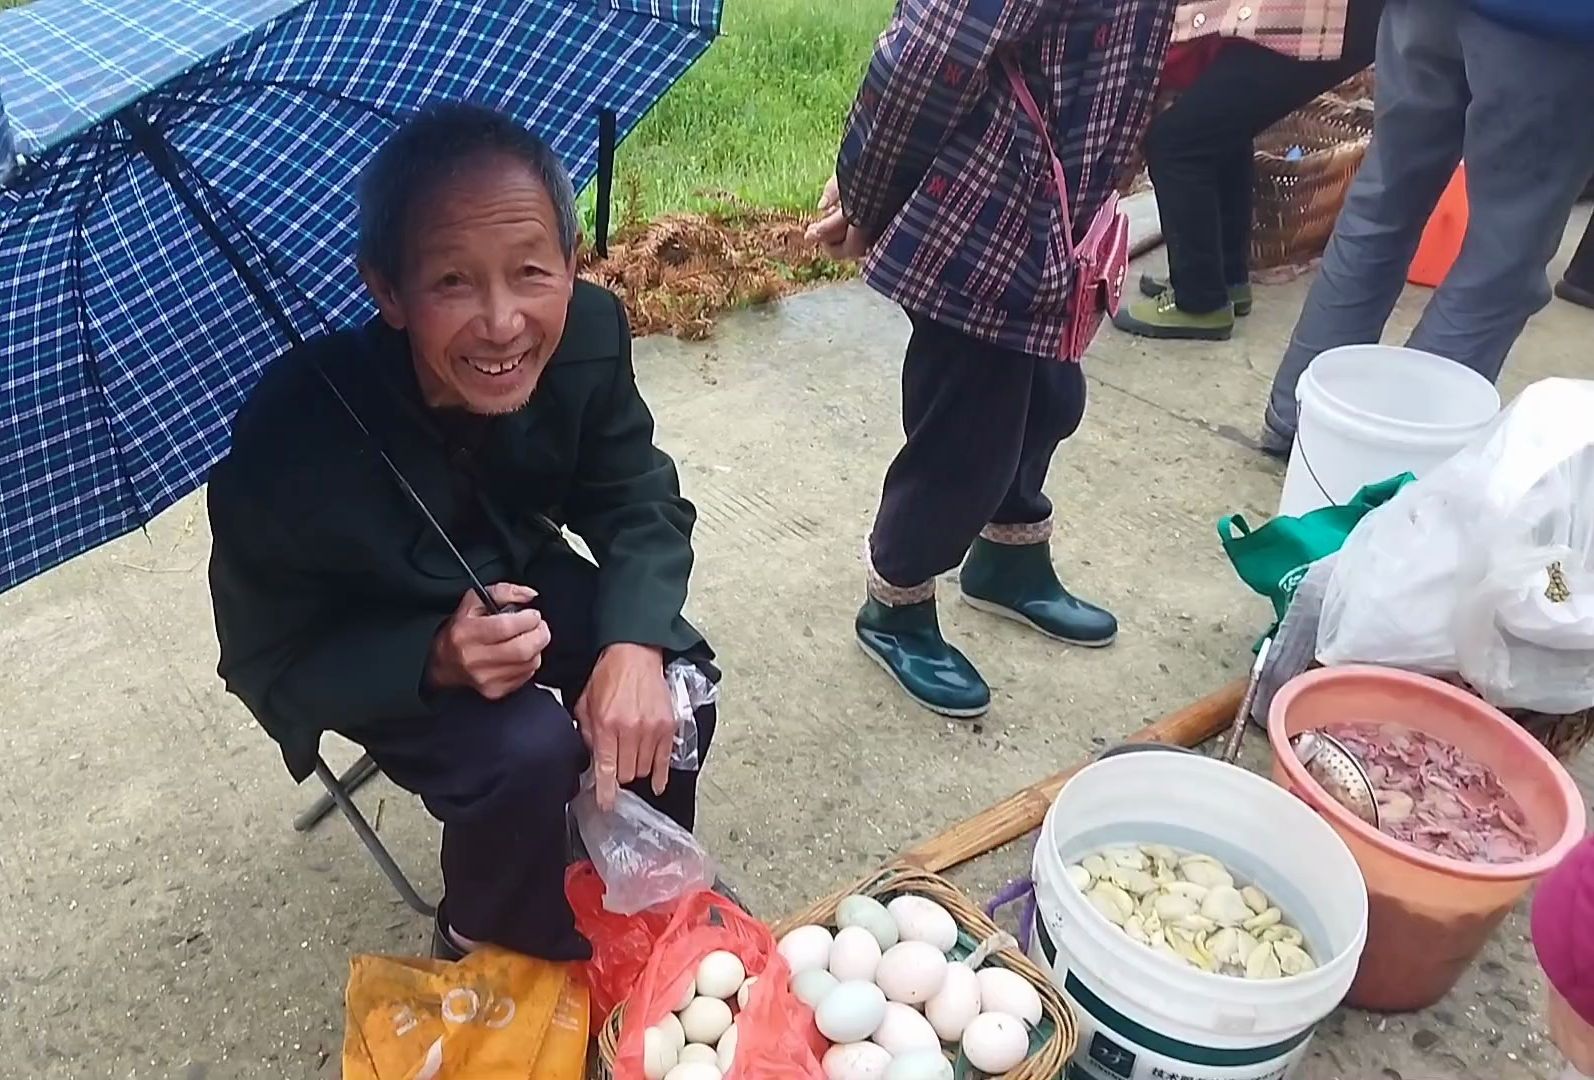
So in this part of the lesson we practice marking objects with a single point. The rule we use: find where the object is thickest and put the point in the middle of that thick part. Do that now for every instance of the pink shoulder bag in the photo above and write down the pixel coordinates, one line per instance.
(1100, 260)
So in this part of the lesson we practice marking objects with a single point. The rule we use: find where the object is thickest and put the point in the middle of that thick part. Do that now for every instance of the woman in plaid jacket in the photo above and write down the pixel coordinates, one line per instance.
(943, 186)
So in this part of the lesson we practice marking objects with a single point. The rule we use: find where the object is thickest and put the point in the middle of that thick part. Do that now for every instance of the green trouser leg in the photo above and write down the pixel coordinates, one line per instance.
(1017, 581)
(906, 641)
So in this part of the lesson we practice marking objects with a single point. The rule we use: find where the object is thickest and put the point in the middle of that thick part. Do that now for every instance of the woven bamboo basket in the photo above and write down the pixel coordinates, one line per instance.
(1051, 1044)
(1297, 199)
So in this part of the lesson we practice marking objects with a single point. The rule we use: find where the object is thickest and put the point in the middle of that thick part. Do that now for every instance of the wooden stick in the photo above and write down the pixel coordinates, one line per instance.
(1022, 811)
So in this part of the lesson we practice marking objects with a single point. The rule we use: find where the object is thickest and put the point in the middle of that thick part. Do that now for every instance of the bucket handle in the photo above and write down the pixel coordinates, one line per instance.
(1311, 472)
(1010, 894)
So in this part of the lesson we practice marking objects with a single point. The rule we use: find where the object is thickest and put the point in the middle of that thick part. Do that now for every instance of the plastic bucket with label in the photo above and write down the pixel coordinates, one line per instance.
(1144, 1017)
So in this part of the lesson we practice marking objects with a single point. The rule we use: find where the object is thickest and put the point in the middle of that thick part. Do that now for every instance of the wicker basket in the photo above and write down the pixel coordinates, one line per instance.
(1051, 1044)
(1298, 199)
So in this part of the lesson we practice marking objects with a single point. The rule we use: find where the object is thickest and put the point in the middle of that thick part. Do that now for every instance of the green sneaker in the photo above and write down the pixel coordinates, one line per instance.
(906, 641)
(1160, 317)
(1239, 295)
(1017, 581)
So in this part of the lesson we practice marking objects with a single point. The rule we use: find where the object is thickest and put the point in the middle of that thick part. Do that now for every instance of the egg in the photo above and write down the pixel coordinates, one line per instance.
(871, 914)
(911, 972)
(856, 1061)
(720, 974)
(694, 1070)
(745, 991)
(697, 1054)
(1009, 992)
(725, 1052)
(806, 948)
(903, 1030)
(851, 1012)
(920, 1065)
(672, 1025)
(705, 1020)
(919, 919)
(854, 955)
(995, 1042)
(812, 987)
(955, 1004)
(659, 1052)
(688, 992)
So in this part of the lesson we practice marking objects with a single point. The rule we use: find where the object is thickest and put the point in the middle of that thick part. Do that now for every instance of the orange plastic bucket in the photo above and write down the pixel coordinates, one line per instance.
(1443, 236)
(1428, 916)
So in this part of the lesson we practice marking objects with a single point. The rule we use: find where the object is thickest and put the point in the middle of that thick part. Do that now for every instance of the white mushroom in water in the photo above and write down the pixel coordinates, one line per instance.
(1079, 876)
(1095, 866)
(1204, 870)
(1264, 963)
(1293, 960)
(1173, 908)
(1232, 946)
(1255, 899)
(1111, 901)
(1271, 917)
(1225, 906)
(1132, 858)
(1195, 892)
(1134, 882)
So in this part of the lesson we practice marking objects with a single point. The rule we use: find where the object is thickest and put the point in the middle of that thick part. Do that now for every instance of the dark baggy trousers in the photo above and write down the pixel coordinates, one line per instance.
(1199, 153)
(982, 424)
(498, 775)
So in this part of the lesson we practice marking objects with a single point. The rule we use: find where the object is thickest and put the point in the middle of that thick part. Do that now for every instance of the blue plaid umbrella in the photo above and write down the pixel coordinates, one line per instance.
(182, 209)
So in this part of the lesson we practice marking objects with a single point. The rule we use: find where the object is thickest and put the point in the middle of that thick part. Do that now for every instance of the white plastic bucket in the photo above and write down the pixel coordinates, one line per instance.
(1370, 412)
(1144, 1017)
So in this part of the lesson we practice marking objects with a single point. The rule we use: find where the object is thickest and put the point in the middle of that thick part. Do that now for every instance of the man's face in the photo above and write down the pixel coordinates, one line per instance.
(484, 290)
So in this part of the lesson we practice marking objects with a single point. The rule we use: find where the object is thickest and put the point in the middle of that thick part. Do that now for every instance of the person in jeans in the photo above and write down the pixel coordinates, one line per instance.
(1274, 58)
(1505, 84)
(943, 181)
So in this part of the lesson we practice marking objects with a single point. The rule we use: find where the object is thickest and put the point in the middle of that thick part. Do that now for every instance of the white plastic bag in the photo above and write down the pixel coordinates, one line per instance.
(1484, 567)
(643, 857)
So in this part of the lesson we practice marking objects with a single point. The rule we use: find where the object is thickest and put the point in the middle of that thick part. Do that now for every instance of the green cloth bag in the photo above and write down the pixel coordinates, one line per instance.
(1274, 558)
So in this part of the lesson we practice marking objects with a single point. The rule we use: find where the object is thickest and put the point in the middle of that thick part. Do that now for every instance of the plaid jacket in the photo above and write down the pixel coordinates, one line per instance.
(1304, 29)
(942, 166)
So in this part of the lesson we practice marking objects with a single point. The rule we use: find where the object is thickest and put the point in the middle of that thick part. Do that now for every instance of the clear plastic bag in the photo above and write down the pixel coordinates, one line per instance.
(643, 857)
(690, 690)
(1484, 568)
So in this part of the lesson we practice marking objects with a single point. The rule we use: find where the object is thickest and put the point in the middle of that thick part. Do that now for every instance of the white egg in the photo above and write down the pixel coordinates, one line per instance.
(697, 1054)
(851, 1012)
(871, 914)
(688, 992)
(919, 919)
(1005, 991)
(746, 990)
(720, 974)
(812, 987)
(955, 1004)
(995, 1042)
(856, 1061)
(854, 955)
(911, 972)
(659, 1052)
(725, 1052)
(920, 1065)
(694, 1070)
(903, 1030)
(672, 1025)
(806, 948)
(705, 1020)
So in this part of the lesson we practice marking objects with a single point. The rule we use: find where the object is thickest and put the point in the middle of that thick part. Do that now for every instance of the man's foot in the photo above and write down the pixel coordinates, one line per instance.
(1570, 291)
(1273, 444)
(563, 944)
(1239, 295)
(1018, 582)
(444, 947)
(1160, 317)
(906, 641)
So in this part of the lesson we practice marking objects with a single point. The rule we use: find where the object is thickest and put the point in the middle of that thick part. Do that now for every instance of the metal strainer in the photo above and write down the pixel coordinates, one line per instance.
(1338, 771)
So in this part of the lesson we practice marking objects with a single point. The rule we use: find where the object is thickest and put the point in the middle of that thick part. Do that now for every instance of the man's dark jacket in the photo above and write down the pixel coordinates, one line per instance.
(328, 585)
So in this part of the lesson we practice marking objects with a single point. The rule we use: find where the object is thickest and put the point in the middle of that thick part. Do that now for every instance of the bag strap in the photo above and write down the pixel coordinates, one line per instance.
(1059, 177)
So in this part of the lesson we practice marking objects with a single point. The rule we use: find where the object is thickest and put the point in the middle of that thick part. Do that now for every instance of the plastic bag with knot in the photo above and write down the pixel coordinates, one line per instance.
(773, 1031)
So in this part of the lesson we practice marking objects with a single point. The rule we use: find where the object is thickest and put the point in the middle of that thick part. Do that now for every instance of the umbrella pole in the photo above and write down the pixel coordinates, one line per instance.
(163, 158)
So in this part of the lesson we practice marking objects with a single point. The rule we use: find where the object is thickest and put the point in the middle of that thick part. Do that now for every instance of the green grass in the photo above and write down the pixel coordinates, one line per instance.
(760, 115)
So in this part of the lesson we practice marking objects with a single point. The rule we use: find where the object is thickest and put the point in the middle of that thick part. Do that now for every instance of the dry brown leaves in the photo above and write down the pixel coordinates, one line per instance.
(678, 273)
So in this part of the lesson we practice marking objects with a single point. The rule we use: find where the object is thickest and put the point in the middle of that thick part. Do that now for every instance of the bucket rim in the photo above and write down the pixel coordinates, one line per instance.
(1312, 380)
(1326, 971)
(1312, 794)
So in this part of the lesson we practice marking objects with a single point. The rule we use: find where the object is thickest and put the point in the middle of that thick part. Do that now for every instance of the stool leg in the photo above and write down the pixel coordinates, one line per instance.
(350, 781)
(362, 828)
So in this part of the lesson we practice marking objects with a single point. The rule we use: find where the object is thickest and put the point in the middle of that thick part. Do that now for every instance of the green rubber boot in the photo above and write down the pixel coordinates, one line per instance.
(906, 641)
(1017, 581)
(1160, 317)
(1239, 295)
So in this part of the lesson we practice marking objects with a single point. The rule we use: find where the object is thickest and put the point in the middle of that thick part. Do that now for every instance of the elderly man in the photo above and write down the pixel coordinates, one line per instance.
(503, 391)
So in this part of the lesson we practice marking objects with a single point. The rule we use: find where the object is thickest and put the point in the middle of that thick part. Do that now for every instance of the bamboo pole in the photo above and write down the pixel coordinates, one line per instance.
(1022, 811)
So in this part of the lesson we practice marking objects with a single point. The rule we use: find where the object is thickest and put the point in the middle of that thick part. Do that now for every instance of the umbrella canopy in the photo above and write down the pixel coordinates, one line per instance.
(184, 207)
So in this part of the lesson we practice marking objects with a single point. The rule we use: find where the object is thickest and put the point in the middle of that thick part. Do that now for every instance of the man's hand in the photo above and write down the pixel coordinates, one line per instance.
(833, 232)
(627, 719)
(494, 655)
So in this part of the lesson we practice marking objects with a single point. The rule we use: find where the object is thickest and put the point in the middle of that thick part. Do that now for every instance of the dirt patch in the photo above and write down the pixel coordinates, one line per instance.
(679, 273)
